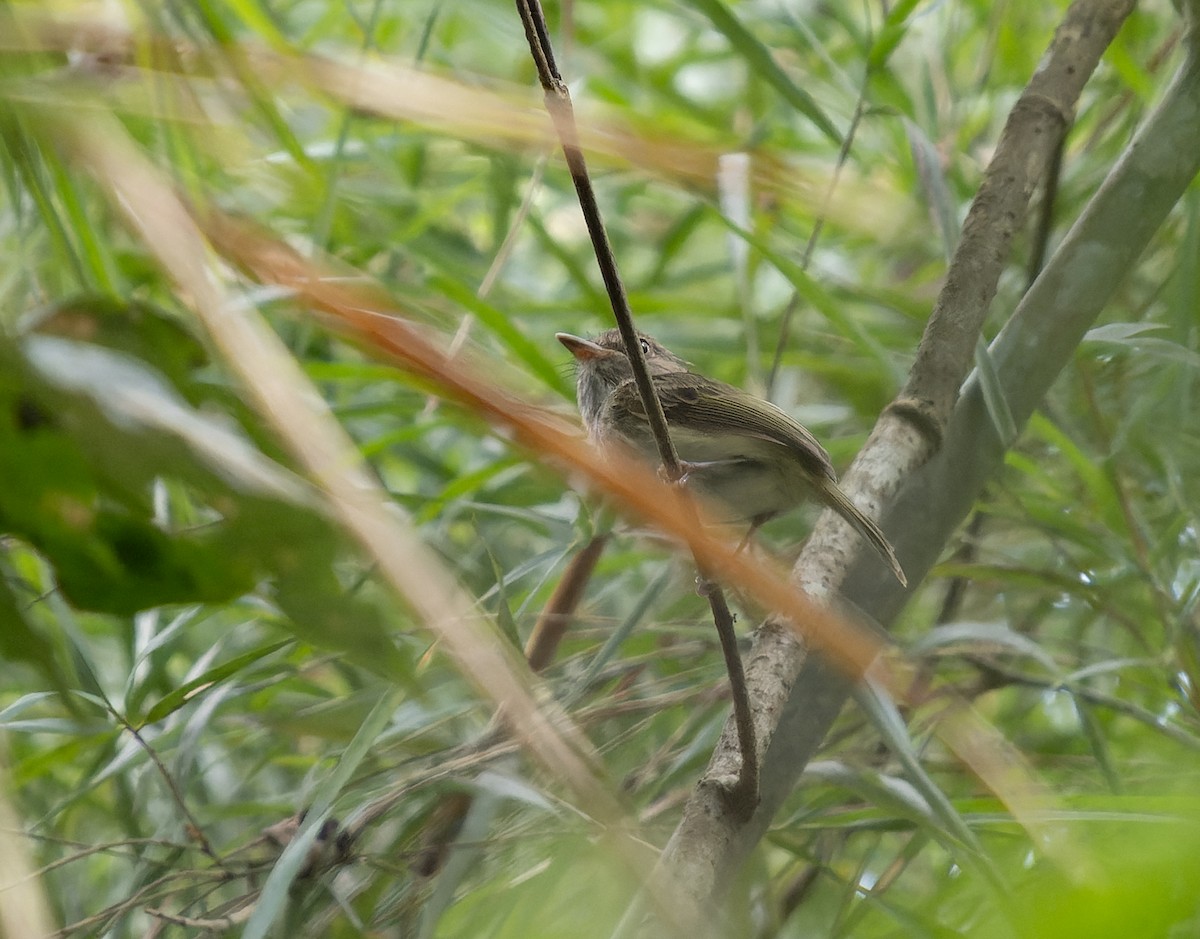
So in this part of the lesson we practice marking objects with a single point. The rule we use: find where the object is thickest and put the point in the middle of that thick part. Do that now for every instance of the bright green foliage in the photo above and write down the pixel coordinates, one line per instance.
(164, 568)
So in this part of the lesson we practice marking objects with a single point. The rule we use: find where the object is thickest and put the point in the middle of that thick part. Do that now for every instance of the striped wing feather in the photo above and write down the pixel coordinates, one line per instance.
(688, 402)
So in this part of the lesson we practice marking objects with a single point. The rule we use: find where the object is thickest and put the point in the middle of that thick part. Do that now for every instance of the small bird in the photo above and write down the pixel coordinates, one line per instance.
(737, 449)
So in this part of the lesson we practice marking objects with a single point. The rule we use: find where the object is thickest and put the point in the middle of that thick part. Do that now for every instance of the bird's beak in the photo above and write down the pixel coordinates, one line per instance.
(583, 349)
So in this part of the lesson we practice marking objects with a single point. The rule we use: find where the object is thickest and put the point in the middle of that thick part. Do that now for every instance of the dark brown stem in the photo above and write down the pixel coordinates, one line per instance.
(194, 828)
(558, 104)
(1045, 216)
(549, 629)
(743, 795)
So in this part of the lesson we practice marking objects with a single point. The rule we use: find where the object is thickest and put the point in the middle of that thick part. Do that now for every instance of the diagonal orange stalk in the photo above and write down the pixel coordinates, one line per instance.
(369, 316)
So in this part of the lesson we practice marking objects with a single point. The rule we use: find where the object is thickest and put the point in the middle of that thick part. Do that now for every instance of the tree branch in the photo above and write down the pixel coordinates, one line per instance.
(709, 844)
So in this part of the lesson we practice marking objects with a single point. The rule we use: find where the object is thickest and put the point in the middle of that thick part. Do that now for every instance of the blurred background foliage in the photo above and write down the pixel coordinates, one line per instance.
(184, 626)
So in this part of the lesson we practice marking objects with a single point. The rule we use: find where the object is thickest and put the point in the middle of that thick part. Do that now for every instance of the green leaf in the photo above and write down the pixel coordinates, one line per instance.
(762, 62)
(933, 184)
(993, 395)
(87, 431)
(983, 636)
(274, 897)
(22, 641)
(170, 703)
(517, 342)
(893, 32)
(951, 830)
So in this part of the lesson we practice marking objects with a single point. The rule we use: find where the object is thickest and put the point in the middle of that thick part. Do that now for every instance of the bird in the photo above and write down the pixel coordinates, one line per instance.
(744, 453)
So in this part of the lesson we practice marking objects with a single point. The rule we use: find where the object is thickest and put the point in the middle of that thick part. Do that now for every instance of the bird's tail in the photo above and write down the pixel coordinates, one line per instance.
(832, 495)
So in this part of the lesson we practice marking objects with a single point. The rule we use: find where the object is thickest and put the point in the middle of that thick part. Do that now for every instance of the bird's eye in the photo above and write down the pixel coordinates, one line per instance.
(645, 346)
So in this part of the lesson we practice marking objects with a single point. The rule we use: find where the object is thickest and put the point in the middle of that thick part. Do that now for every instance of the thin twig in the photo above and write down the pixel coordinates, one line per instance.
(558, 104)
(195, 830)
(785, 322)
(743, 796)
(999, 674)
(562, 113)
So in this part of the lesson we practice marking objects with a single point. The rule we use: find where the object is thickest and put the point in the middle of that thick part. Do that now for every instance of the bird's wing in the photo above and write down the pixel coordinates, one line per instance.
(687, 403)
